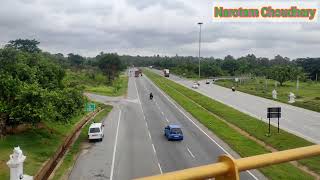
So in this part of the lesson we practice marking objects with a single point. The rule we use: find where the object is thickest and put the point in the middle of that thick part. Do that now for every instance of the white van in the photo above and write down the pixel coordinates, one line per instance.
(96, 131)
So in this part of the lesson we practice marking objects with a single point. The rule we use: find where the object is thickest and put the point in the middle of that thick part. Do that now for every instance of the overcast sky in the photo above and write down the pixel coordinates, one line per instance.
(148, 27)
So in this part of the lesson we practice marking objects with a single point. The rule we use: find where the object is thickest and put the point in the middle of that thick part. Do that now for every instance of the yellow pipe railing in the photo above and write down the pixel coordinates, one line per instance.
(229, 168)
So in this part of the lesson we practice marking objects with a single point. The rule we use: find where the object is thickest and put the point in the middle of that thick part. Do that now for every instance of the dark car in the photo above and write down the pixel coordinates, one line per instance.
(173, 132)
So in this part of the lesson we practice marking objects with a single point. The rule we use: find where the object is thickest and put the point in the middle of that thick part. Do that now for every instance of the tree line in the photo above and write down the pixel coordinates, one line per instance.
(279, 68)
(31, 83)
(108, 63)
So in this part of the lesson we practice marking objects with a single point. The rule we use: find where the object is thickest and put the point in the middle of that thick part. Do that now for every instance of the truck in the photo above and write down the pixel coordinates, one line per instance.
(166, 72)
(136, 73)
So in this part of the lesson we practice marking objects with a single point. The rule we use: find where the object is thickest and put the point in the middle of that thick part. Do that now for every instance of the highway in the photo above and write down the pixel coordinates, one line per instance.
(299, 121)
(135, 146)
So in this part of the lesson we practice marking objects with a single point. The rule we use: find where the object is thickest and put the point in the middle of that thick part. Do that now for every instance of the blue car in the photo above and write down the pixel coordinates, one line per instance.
(173, 132)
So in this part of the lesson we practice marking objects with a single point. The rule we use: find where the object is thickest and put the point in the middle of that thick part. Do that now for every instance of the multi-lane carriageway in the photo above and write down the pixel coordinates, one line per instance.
(134, 144)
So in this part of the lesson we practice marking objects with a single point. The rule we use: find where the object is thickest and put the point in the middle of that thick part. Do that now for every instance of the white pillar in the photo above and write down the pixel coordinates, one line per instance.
(291, 97)
(16, 165)
(274, 94)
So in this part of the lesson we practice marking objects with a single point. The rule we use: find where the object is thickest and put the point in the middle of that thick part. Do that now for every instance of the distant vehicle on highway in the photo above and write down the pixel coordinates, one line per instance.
(173, 132)
(136, 73)
(166, 72)
(96, 131)
(195, 86)
(207, 82)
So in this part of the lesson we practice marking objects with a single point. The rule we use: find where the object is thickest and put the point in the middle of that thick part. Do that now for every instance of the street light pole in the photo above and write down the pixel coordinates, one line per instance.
(199, 23)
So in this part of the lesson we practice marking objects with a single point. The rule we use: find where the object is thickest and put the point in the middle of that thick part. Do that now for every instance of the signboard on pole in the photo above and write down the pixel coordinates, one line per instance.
(90, 107)
(274, 112)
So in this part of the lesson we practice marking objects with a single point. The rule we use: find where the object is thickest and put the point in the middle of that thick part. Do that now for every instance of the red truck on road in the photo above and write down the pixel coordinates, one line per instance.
(137, 73)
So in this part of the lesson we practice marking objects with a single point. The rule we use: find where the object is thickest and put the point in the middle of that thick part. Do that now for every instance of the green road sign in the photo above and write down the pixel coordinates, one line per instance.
(90, 107)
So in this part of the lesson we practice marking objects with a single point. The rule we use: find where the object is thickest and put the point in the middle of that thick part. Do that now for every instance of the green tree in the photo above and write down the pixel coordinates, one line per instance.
(311, 66)
(76, 60)
(26, 45)
(111, 65)
(230, 65)
(31, 90)
(284, 73)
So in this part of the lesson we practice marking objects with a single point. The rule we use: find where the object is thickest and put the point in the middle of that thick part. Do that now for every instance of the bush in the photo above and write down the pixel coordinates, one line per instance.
(31, 90)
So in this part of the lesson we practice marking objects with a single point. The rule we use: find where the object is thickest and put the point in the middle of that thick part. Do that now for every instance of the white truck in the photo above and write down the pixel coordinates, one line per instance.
(166, 72)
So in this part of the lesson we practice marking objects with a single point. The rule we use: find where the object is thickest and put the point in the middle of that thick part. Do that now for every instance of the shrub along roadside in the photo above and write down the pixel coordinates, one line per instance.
(71, 155)
(38, 144)
(243, 145)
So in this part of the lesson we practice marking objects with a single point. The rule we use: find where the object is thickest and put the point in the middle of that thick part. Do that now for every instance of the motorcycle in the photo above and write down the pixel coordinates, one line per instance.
(151, 96)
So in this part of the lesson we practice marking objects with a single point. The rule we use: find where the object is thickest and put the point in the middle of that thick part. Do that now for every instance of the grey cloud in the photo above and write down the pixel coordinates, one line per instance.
(166, 27)
(177, 5)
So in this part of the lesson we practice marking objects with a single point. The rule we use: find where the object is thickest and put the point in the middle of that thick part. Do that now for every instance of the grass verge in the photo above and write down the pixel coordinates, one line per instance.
(119, 87)
(243, 145)
(307, 94)
(38, 144)
(94, 81)
(71, 155)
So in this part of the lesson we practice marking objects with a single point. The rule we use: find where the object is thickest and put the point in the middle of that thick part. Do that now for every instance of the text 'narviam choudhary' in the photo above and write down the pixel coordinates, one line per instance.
(264, 12)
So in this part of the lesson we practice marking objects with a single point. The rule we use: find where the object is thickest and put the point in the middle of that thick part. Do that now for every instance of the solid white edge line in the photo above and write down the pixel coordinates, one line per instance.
(190, 152)
(154, 149)
(160, 168)
(194, 122)
(149, 134)
(115, 147)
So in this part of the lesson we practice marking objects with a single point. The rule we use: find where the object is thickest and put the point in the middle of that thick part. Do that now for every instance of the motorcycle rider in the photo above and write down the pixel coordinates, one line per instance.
(151, 95)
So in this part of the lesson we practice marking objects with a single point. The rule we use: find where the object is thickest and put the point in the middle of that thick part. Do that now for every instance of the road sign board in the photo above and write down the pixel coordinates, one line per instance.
(90, 107)
(274, 115)
(274, 110)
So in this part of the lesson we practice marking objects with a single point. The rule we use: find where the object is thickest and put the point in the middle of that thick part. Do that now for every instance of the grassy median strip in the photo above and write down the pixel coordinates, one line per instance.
(242, 144)
(118, 87)
(253, 126)
(71, 155)
(307, 94)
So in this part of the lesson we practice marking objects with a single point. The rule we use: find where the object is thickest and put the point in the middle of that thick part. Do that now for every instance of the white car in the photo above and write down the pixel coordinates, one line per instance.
(96, 131)
(195, 86)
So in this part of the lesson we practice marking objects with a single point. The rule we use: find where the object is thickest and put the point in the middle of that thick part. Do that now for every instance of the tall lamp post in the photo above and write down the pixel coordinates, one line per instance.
(199, 23)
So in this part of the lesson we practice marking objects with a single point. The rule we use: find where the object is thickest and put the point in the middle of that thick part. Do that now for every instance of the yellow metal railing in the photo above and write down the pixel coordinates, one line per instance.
(229, 168)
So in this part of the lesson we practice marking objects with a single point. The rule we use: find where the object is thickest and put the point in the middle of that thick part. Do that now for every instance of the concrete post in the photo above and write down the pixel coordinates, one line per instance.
(291, 98)
(274, 94)
(16, 165)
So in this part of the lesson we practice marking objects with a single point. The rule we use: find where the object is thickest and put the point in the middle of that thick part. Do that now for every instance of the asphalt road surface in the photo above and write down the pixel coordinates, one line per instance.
(135, 146)
(299, 121)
